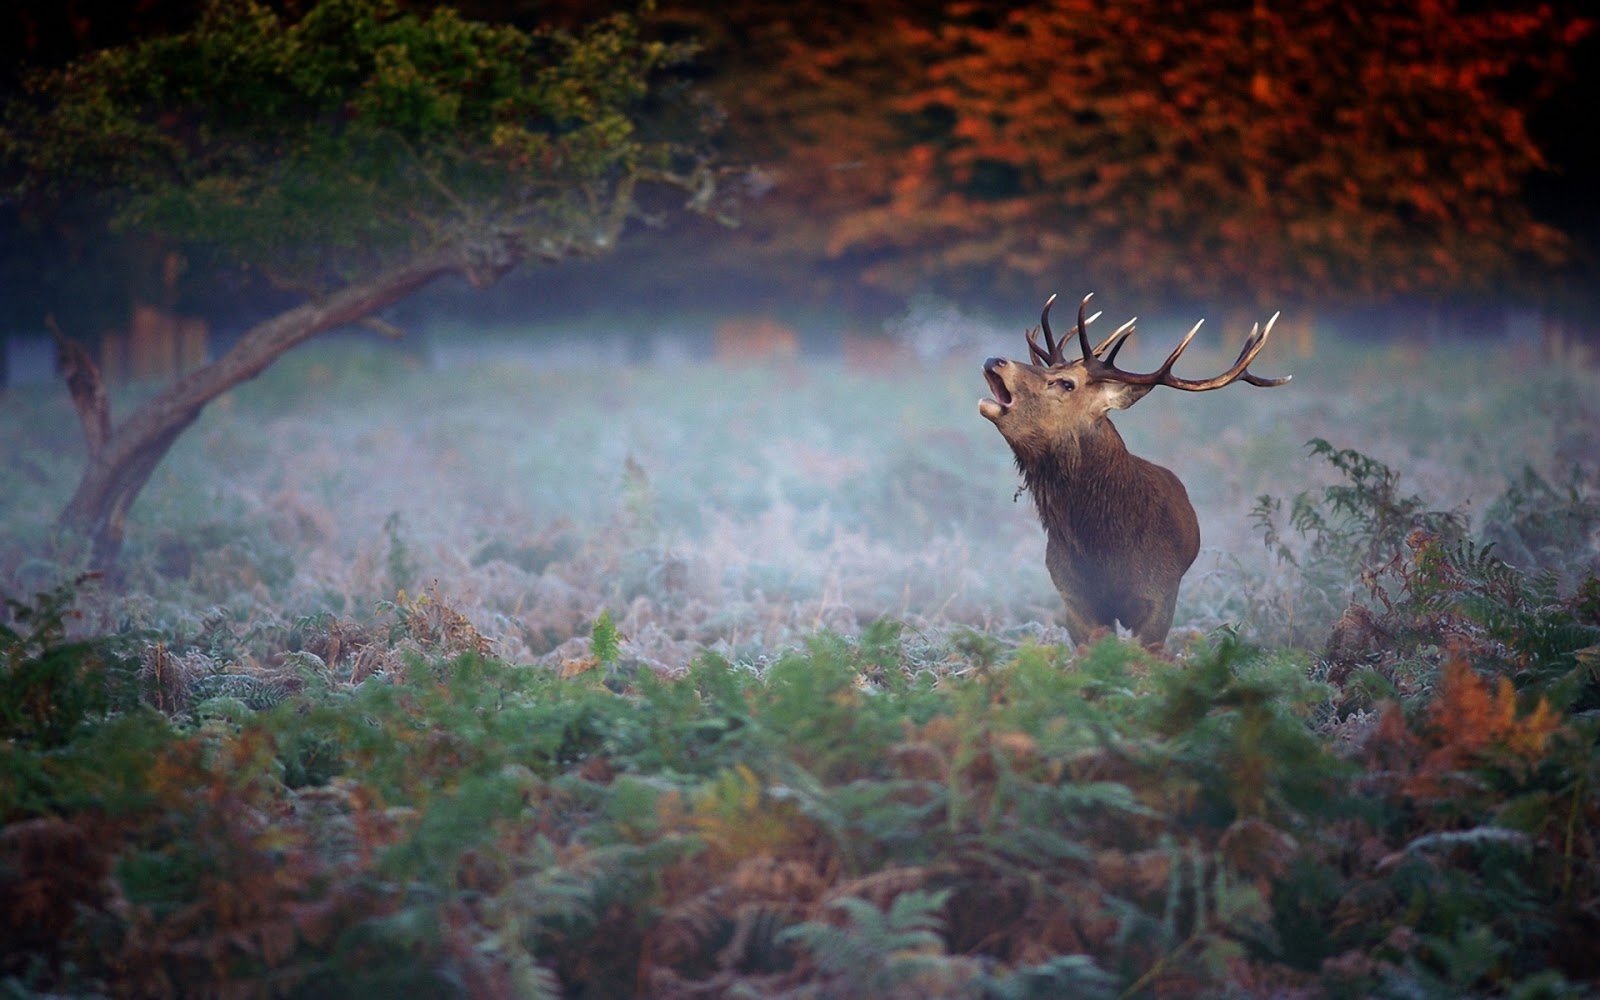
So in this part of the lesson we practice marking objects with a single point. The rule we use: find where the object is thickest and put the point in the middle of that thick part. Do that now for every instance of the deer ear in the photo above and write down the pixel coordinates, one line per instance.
(1121, 395)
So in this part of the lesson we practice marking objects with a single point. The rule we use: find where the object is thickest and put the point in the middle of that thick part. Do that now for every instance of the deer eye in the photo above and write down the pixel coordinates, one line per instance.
(1065, 384)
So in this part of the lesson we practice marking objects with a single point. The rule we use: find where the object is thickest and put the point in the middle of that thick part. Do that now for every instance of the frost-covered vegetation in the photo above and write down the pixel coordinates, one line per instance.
(743, 508)
(718, 681)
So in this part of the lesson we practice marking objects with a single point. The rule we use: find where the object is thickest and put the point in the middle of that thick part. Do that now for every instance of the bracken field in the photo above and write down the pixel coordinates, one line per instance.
(487, 678)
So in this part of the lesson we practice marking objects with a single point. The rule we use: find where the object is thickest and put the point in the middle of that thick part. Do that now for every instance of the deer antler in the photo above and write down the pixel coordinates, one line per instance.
(1050, 354)
(1105, 368)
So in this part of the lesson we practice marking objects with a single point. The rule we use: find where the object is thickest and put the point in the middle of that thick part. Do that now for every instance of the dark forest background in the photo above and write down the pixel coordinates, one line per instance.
(878, 159)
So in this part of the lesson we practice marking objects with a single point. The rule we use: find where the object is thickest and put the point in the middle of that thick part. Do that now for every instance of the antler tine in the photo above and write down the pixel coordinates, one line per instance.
(1252, 347)
(1252, 344)
(1114, 342)
(1258, 344)
(1165, 371)
(1049, 336)
(1083, 331)
(1038, 353)
(1043, 356)
(1050, 354)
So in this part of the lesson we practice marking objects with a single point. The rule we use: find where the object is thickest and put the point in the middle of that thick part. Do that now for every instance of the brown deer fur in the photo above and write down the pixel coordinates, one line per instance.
(1120, 531)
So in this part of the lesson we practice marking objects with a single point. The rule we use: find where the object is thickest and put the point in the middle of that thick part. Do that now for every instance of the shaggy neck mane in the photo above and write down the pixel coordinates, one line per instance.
(1065, 478)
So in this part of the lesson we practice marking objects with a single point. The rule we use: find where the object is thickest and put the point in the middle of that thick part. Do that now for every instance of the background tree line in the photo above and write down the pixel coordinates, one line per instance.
(1258, 152)
(1320, 152)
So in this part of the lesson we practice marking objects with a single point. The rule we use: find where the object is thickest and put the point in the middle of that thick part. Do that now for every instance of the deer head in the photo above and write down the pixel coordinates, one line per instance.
(1037, 406)
(1120, 530)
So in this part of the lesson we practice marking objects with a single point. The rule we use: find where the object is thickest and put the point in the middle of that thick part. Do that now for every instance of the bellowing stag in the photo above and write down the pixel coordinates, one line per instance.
(1120, 531)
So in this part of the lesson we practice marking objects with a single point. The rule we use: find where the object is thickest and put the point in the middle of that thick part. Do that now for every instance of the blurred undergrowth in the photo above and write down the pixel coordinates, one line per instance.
(857, 817)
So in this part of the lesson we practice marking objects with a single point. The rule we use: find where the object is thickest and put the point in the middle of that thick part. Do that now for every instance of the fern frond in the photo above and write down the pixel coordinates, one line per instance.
(688, 927)
(1074, 976)
(880, 887)
(877, 950)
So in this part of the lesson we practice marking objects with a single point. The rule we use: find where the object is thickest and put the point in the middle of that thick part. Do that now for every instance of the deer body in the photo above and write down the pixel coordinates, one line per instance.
(1120, 531)
(1098, 502)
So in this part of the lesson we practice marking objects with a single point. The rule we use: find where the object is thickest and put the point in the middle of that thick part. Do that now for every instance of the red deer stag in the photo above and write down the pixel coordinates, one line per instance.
(1120, 531)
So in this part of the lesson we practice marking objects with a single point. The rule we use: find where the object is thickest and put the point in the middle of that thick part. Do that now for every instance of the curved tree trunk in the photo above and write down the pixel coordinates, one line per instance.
(121, 460)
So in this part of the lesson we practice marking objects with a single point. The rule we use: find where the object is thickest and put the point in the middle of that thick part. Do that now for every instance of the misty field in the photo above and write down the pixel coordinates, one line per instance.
(740, 508)
(451, 667)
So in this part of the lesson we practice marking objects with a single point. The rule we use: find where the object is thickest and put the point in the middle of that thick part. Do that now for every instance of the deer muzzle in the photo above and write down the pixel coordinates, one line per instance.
(994, 407)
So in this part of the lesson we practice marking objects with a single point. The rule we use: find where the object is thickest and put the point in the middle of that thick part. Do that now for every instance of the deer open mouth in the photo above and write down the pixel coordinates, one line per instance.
(993, 407)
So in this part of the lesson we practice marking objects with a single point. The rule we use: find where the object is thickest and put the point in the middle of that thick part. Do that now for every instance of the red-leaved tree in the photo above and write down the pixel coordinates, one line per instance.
(1254, 151)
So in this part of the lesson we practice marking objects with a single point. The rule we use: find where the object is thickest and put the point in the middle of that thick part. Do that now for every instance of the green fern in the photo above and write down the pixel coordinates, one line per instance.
(1545, 526)
(1355, 533)
(606, 641)
(51, 684)
(1206, 921)
(1541, 632)
(876, 952)
(1368, 518)
(1074, 976)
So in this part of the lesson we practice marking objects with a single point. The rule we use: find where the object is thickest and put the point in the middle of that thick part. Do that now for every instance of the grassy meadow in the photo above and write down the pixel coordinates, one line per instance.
(738, 508)
(707, 680)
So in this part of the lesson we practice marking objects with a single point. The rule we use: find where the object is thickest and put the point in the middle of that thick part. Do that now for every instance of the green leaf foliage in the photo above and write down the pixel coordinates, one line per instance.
(52, 683)
(355, 132)
(1429, 588)
(876, 953)
(1015, 821)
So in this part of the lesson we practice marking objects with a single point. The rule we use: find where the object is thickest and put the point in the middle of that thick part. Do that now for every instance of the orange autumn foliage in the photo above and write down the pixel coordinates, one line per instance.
(1471, 718)
(1471, 723)
(1274, 152)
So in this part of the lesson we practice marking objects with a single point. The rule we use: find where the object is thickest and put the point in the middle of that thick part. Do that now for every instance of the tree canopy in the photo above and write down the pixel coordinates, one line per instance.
(1271, 151)
(357, 135)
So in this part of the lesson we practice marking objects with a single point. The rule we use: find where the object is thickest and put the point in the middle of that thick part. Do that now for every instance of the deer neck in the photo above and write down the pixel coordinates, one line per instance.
(1077, 479)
